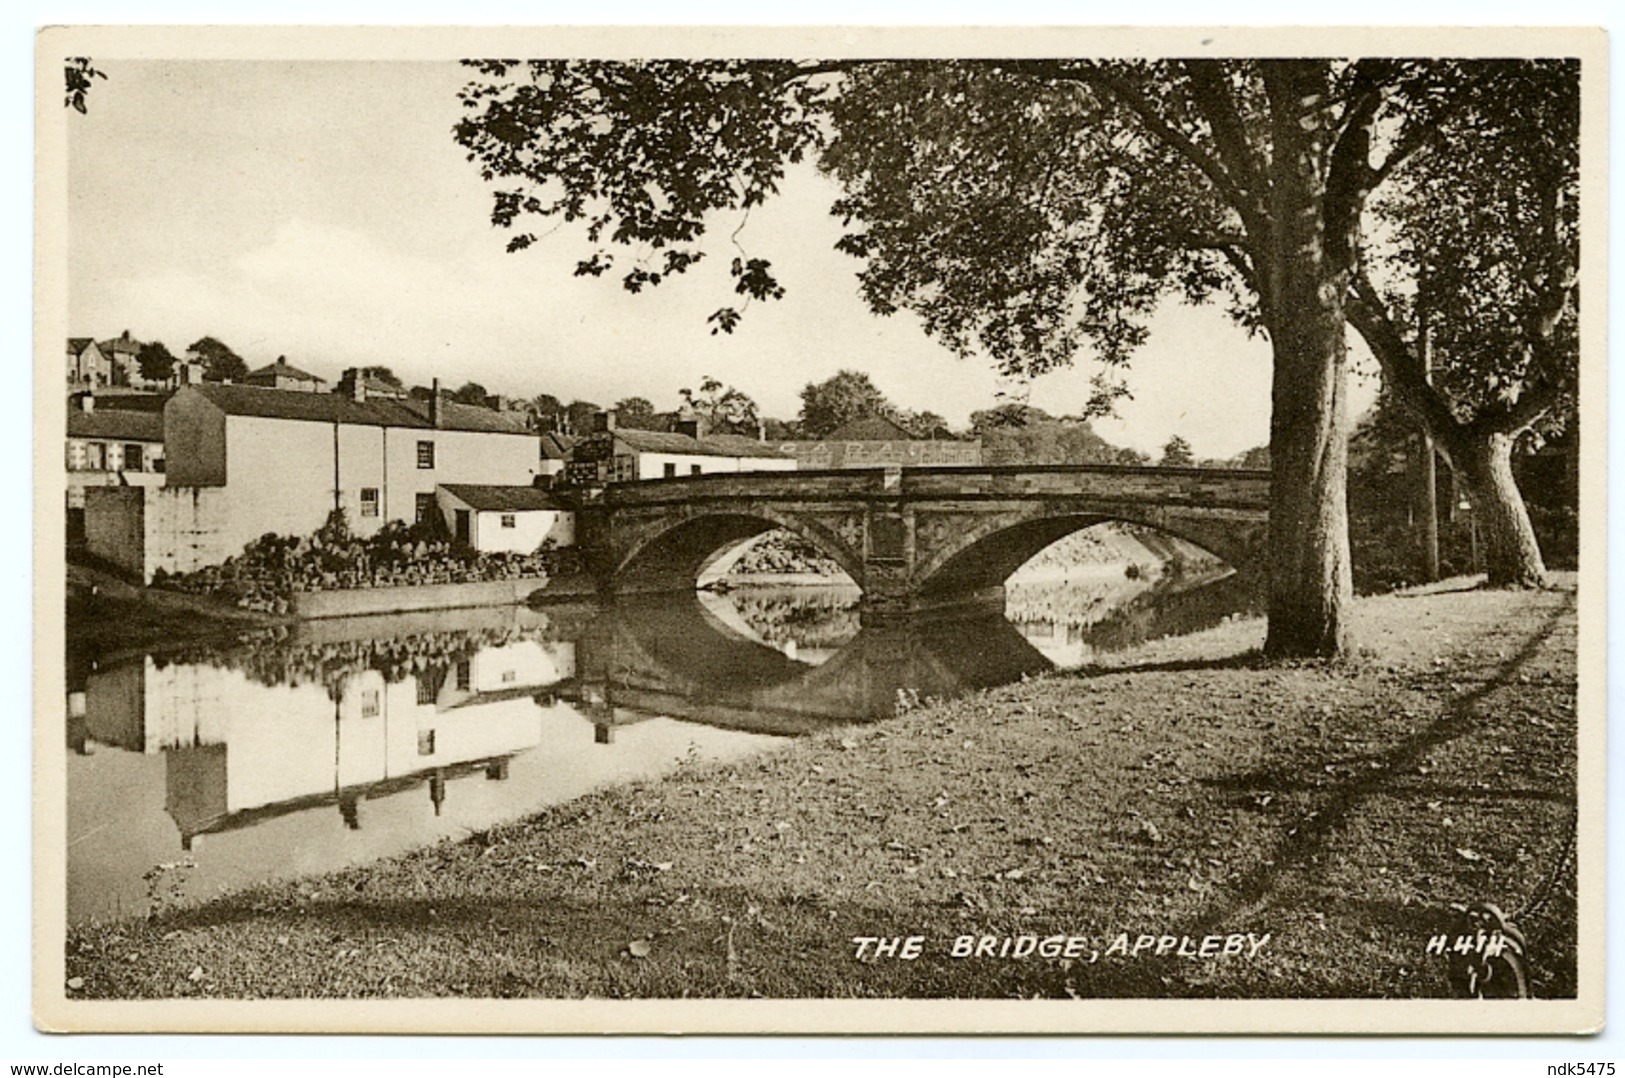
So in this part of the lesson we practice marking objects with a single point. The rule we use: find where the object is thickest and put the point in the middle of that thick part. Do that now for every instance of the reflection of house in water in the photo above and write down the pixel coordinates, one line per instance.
(237, 751)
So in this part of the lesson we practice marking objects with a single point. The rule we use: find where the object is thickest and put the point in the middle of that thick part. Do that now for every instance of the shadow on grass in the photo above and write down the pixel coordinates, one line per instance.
(1251, 659)
(1333, 804)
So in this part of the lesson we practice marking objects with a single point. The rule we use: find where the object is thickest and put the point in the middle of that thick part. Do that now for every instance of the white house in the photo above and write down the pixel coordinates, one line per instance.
(244, 461)
(611, 455)
(505, 518)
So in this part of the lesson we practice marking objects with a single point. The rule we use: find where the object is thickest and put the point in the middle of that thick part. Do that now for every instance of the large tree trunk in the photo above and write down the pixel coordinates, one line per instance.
(1512, 556)
(1310, 582)
(1314, 223)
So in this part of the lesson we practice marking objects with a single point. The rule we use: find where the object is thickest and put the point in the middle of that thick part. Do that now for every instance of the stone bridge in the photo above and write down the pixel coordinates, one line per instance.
(912, 539)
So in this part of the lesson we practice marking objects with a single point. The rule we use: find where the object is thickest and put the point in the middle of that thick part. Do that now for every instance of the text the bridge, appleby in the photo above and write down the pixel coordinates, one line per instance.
(912, 539)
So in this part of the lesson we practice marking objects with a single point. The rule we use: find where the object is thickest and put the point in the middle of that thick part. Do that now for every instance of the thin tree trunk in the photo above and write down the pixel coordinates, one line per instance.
(1512, 555)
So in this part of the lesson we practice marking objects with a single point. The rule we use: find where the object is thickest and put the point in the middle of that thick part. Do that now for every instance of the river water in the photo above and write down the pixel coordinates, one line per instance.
(349, 740)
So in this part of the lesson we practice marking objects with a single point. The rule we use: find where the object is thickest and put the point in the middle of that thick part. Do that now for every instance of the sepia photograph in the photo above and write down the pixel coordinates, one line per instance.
(883, 531)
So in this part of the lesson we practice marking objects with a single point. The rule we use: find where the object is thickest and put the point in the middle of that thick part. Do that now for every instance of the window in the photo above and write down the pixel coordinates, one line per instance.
(132, 456)
(425, 742)
(671, 470)
(96, 456)
(369, 501)
(465, 676)
(369, 704)
(427, 689)
(693, 469)
(425, 508)
(425, 454)
(76, 456)
(510, 676)
(508, 520)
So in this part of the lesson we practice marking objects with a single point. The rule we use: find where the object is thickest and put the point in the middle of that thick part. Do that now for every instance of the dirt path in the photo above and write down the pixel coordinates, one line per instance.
(1327, 818)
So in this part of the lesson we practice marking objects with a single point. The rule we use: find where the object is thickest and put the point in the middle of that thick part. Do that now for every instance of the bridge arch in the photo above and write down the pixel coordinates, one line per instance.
(679, 546)
(984, 552)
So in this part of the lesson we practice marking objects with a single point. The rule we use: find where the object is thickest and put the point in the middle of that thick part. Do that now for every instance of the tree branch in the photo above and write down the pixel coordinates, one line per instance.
(1096, 77)
(1399, 362)
(1417, 136)
(1210, 90)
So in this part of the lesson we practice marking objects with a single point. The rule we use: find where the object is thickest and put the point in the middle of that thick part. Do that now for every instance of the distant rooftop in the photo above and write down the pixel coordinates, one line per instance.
(869, 428)
(503, 499)
(283, 369)
(712, 445)
(338, 408)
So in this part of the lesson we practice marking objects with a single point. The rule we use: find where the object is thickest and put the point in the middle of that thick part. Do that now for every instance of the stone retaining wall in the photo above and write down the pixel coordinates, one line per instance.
(360, 601)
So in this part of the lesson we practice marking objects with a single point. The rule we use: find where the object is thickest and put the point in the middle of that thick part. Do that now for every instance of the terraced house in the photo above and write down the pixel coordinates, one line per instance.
(243, 461)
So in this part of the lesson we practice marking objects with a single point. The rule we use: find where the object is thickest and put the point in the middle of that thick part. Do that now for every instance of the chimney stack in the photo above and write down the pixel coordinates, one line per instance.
(434, 405)
(87, 401)
(606, 420)
(354, 384)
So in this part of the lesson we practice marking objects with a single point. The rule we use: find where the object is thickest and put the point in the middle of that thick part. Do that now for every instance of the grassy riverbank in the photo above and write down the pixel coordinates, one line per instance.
(1184, 791)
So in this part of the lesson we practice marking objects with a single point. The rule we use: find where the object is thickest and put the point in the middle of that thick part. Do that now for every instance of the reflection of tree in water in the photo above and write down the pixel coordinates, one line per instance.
(813, 617)
(1073, 603)
(1115, 615)
(281, 661)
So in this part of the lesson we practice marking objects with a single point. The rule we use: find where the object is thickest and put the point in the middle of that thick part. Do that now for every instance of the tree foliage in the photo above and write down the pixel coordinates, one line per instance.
(471, 393)
(78, 73)
(1017, 433)
(838, 399)
(580, 416)
(640, 153)
(220, 363)
(382, 374)
(1176, 453)
(725, 409)
(637, 413)
(155, 362)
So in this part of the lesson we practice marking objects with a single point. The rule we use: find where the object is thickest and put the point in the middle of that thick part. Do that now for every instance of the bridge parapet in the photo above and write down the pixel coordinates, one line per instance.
(1239, 488)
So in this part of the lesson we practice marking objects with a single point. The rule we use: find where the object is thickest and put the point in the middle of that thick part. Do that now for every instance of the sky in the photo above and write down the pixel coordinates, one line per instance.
(322, 211)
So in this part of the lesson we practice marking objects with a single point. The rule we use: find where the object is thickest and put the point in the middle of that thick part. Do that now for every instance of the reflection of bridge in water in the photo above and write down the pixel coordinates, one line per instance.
(912, 539)
(684, 658)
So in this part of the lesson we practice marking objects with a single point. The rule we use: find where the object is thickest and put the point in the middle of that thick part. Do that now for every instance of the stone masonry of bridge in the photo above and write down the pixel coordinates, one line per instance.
(912, 539)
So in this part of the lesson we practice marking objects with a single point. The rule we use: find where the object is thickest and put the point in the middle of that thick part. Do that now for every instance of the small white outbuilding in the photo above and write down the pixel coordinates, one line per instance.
(505, 518)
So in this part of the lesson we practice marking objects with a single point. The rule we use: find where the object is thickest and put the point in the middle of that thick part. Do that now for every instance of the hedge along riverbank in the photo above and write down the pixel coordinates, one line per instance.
(274, 568)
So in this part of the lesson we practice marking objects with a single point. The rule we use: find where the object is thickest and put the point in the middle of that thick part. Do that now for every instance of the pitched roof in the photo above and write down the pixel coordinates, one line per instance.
(454, 415)
(557, 446)
(283, 369)
(712, 445)
(123, 425)
(506, 499)
(127, 345)
(268, 403)
(869, 428)
(76, 345)
(125, 400)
